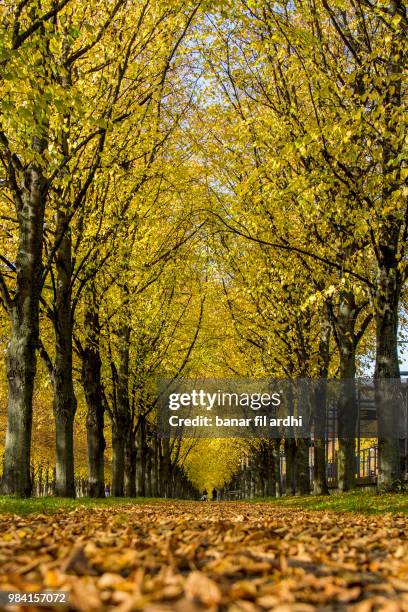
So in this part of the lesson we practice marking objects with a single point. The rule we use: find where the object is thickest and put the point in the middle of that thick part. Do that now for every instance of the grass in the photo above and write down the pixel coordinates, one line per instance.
(50, 505)
(365, 502)
(361, 501)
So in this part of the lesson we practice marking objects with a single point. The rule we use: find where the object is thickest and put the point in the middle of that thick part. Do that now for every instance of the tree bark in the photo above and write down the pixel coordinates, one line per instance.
(118, 461)
(290, 448)
(271, 471)
(302, 470)
(64, 467)
(92, 385)
(387, 395)
(24, 313)
(130, 466)
(123, 451)
(320, 401)
(165, 469)
(149, 466)
(65, 403)
(143, 457)
(347, 405)
(155, 467)
(319, 448)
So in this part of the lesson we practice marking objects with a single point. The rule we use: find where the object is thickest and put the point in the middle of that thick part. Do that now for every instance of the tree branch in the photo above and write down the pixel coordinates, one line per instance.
(293, 249)
(19, 39)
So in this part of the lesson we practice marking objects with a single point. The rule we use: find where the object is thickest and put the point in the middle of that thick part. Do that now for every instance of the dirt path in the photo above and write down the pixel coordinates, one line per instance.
(185, 556)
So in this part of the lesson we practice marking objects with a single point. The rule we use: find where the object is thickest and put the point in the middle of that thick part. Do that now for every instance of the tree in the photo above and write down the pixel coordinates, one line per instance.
(306, 85)
(69, 86)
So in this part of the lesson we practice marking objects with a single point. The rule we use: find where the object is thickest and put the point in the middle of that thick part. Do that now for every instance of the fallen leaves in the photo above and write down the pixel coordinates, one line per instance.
(189, 556)
(78, 563)
(199, 587)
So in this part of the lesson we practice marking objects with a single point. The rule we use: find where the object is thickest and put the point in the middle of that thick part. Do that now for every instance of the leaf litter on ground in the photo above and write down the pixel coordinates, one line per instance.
(192, 556)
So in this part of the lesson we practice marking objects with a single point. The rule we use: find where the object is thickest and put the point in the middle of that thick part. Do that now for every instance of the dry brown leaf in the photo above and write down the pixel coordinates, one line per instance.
(200, 587)
(78, 563)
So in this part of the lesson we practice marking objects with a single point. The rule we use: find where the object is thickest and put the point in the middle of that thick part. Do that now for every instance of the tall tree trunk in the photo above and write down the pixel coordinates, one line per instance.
(390, 251)
(130, 466)
(118, 460)
(65, 403)
(278, 485)
(320, 419)
(142, 451)
(301, 457)
(165, 469)
(290, 449)
(92, 385)
(143, 457)
(271, 471)
(302, 470)
(149, 469)
(155, 467)
(122, 445)
(24, 312)
(319, 449)
(290, 445)
(347, 405)
(160, 468)
(319, 478)
(347, 419)
(387, 392)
